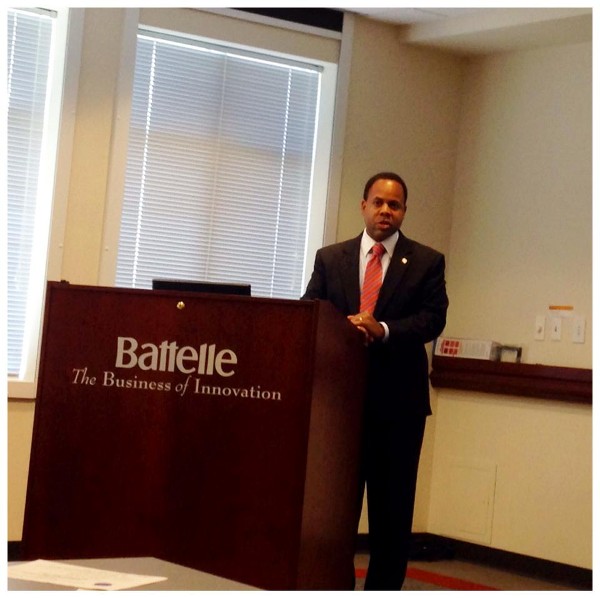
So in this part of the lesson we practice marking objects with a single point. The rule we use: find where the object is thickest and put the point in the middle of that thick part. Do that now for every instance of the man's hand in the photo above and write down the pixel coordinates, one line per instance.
(368, 325)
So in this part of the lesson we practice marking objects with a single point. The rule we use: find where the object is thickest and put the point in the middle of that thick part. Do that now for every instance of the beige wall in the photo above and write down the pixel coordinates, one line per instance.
(403, 114)
(522, 222)
(497, 156)
(521, 241)
(19, 431)
(514, 474)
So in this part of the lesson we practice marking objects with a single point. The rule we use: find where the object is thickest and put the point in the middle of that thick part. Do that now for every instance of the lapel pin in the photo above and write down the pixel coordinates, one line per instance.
(404, 260)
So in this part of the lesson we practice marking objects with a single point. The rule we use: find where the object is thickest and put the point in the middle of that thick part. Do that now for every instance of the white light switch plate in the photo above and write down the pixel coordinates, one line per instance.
(578, 330)
(555, 328)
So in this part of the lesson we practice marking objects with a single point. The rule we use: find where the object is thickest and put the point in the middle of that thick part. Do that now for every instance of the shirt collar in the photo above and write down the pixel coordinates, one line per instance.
(367, 243)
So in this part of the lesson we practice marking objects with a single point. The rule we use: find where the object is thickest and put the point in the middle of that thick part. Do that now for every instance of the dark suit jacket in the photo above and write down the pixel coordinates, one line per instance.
(412, 302)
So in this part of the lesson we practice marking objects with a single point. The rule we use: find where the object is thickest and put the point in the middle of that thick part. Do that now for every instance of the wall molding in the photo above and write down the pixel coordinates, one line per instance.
(572, 385)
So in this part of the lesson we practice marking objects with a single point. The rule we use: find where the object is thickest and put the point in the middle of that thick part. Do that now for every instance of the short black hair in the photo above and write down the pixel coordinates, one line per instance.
(385, 175)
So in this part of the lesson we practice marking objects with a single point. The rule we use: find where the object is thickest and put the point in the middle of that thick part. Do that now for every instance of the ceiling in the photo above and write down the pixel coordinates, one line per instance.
(470, 31)
(402, 15)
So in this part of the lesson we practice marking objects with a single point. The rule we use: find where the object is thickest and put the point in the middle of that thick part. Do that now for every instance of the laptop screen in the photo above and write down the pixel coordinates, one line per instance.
(198, 286)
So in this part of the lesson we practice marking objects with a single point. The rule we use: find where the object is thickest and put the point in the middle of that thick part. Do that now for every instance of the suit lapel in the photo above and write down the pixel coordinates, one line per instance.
(393, 277)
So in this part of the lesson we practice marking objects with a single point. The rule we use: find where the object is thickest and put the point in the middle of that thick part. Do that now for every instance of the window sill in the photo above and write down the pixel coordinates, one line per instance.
(21, 389)
(572, 385)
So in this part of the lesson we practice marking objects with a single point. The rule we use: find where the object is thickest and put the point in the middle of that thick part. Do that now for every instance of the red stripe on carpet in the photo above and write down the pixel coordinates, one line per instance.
(443, 581)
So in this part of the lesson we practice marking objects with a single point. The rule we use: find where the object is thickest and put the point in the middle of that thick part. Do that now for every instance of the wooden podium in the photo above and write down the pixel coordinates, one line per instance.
(217, 432)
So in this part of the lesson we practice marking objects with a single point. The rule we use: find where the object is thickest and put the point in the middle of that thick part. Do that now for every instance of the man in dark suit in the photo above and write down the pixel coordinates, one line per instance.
(409, 311)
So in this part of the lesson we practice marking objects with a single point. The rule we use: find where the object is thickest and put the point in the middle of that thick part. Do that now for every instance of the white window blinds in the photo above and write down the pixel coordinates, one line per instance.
(219, 168)
(29, 37)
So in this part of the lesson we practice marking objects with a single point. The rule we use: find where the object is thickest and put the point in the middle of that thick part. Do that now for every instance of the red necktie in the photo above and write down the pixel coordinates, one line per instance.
(373, 280)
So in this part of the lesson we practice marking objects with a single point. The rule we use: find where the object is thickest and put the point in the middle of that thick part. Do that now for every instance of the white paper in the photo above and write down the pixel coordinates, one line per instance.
(85, 578)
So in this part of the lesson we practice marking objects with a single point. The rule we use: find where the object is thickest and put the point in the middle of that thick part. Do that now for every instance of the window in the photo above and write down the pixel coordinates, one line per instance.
(220, 168)
(28, 71)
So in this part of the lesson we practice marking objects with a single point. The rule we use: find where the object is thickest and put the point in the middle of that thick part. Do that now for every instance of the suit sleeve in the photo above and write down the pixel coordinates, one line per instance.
(317, 285)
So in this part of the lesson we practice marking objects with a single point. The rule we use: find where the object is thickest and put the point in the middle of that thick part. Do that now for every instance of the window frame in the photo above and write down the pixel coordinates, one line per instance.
(56, 148)
(319, 207)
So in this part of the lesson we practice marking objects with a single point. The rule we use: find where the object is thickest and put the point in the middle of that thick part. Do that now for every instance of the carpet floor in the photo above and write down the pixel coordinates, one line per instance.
(421, 580)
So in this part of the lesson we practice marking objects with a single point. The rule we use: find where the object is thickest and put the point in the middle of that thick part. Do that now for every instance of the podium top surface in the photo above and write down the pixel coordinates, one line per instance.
(178, 577)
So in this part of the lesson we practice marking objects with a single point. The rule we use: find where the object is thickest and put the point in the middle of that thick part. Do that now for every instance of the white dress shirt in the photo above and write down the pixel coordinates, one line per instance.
(366, 245)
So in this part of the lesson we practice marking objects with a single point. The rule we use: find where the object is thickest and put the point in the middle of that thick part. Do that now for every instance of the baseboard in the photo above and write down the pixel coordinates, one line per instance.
(429, 547)
(14, 551)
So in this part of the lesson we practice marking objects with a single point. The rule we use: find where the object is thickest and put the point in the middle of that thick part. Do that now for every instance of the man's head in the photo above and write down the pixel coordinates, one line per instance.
(384, 205)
